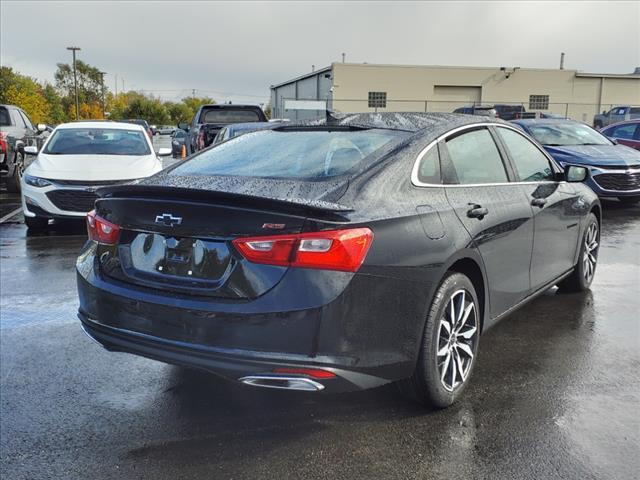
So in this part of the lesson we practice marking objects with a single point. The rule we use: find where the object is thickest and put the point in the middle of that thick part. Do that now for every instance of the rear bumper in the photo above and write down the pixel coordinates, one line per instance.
(366, 329)
(231, 365)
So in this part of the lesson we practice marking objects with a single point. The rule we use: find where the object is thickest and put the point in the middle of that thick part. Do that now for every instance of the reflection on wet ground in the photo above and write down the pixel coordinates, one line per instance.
(555, 394)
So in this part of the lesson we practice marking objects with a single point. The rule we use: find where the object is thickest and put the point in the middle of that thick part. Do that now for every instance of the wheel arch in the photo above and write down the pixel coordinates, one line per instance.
(472, 269)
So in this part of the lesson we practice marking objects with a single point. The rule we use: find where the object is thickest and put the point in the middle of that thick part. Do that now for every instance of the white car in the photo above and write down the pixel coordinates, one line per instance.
(78, 158)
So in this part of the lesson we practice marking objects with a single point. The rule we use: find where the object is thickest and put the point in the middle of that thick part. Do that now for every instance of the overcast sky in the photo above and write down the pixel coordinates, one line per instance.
(236, 50)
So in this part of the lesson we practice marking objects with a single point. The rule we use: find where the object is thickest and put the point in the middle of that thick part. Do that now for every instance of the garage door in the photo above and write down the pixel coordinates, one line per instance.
(449, 97)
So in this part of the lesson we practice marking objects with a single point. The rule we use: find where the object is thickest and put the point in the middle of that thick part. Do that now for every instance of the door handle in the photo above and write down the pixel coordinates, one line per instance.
(477, 211)
(539, 202)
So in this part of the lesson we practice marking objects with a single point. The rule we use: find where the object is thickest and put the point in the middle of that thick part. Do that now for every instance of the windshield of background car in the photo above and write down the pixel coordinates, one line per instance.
(230, 116)
(97, 141)
(565, 134)
(311, 154)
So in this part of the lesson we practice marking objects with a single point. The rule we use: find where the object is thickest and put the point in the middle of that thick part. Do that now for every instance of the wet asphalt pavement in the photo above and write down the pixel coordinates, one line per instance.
(555, 393)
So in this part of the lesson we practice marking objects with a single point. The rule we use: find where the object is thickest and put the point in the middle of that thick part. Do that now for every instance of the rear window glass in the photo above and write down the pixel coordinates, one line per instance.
(97, 141)
(230, 116)
(289, 154)
(5, 120)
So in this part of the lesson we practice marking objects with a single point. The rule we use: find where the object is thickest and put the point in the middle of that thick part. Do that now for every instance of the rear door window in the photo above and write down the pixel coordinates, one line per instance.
(18, 121)
(5, 119)
(474, 159)
(530, 163)
(625, 132)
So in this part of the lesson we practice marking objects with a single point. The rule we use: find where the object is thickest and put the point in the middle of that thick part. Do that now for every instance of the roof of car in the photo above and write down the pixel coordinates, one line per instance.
(101, 124)
(527, 122)
(253, 125)
(624, 122)
(408, 122)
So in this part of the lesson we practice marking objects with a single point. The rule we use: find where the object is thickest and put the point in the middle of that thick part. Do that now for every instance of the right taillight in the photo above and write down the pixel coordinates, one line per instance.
(101, 230)
(343, 250)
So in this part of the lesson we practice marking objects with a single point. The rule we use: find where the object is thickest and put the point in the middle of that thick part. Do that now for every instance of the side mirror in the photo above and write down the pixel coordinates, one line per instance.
(183, 126)
(574, 173)
(613, 140)
(163, 151)
(31, 150)
(41, 127)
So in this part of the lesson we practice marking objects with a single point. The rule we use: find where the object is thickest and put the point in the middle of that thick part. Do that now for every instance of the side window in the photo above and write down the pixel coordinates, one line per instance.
(474, 158)
(17, 118)
(429, 168)
(26, 120)
(622, 131)
(530, 163)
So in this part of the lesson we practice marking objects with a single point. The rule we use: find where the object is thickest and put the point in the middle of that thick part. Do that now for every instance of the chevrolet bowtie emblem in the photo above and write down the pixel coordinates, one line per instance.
(168, 220)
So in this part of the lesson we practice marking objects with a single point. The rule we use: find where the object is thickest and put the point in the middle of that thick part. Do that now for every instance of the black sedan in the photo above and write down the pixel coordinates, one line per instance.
(337, 255)
(178, 140)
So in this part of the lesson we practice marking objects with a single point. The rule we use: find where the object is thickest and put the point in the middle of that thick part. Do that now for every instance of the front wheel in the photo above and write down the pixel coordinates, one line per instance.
(449, 344)
(584, 271)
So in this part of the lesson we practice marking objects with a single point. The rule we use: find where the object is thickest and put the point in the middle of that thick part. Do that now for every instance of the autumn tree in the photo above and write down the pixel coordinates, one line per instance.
(89, 87)
(25, 92)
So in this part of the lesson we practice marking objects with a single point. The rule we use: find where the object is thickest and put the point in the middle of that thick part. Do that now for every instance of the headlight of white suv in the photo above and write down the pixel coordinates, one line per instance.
(36, 181)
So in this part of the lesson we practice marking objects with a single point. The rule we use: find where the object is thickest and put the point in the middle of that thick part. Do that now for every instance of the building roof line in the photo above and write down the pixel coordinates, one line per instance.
(302, 77)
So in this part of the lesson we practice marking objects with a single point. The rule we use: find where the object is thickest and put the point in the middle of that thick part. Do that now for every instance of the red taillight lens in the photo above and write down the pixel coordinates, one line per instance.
(343, 250)
(309, 372)
(101, 230)
(3, 142)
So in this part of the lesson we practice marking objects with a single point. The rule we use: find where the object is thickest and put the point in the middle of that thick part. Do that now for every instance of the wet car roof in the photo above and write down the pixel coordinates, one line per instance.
(409, 122)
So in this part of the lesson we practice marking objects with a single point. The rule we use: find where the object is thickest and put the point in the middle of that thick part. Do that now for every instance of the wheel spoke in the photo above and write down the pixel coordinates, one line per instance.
(453, 371)
(452, 312)
(466, 349)
(460, 309)
(446, 326)
(468, 334)
(465, 317)
(459, 365)
(445, 367)
(443, 351)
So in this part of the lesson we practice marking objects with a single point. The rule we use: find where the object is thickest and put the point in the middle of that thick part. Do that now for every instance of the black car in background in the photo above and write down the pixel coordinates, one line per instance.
(337, 255)
(143, 123)
(483, 110)
(237, 129)
(16, 132)
(178, 140)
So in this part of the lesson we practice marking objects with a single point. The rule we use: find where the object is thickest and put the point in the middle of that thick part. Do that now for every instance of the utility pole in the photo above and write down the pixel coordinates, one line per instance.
(104, 103)
(122, 85)
(116, 85)
(75, 80)
(193, 92)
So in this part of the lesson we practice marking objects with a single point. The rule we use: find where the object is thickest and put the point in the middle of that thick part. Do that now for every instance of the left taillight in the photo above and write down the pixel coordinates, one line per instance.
(101, 230)
(3, 142)
(343, 250)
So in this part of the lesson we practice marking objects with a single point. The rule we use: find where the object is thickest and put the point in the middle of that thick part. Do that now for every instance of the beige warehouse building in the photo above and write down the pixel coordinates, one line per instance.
(353, 87)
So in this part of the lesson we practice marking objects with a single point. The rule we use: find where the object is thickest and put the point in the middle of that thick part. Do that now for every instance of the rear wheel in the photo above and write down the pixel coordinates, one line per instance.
(584, 271)
(13, 180)
(36, 223)
(449, 344)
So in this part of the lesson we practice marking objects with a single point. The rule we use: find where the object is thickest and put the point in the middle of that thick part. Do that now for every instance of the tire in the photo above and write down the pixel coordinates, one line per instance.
(629, 200)
(584, 271)
(433, 383)
(13, 180)
(36, 223)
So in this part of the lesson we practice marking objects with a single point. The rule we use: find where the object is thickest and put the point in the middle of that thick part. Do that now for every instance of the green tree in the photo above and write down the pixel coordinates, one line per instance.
(24, 92)
(137, 105)
(89, 85)
(56, 110)
(178, 112)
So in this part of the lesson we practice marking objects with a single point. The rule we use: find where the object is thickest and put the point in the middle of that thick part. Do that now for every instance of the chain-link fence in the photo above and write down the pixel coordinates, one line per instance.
(581, 112)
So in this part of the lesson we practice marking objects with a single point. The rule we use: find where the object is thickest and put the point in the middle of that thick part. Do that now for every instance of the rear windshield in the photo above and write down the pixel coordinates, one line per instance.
(230, 116)
(289, 154)
(5, 120)
(97, 141)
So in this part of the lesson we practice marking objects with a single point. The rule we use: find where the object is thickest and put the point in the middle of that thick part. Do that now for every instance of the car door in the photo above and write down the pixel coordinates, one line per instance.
(555, 205)
(493, 210)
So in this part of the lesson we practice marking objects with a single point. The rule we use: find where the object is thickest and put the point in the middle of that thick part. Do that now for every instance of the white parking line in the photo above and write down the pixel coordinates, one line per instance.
(11, 214)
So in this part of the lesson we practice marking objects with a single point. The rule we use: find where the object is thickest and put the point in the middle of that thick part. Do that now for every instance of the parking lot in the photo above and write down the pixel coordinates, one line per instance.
(555, 394)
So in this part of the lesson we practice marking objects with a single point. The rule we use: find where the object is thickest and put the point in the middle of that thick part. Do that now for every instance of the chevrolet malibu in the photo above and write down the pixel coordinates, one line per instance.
(339, 254)
(76, 159)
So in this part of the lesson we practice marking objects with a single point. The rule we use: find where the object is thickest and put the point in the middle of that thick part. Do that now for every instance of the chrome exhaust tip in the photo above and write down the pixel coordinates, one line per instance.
(282, 383)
